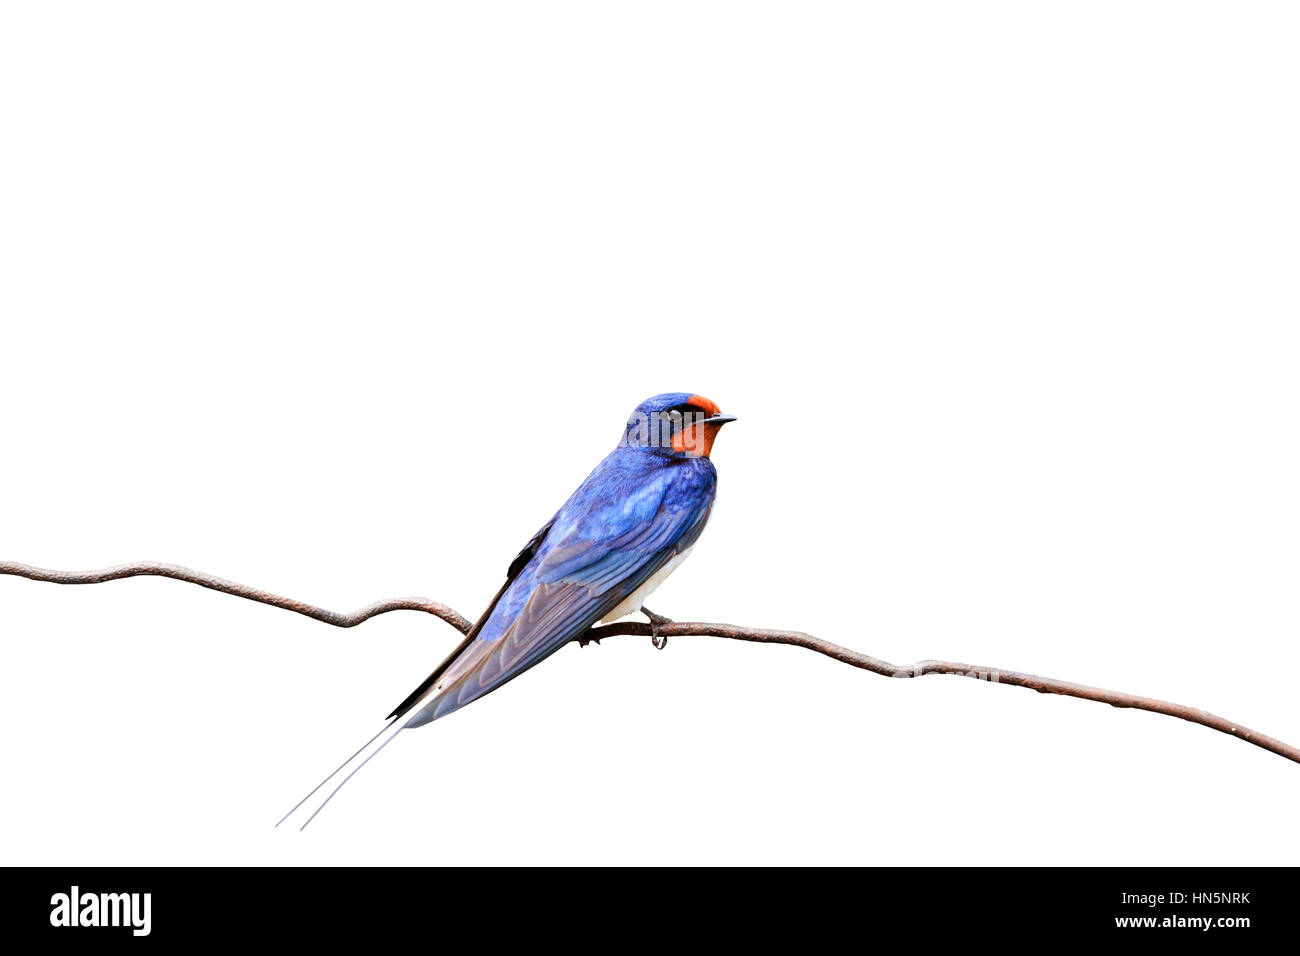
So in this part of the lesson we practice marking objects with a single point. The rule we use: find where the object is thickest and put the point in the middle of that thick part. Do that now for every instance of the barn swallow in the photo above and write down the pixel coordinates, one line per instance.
(629, 525)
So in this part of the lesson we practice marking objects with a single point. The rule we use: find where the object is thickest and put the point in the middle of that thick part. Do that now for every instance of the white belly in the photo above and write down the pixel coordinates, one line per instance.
(633, 601)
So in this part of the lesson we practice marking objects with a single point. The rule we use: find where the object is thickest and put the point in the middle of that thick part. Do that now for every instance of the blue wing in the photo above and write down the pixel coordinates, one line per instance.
(621, 526)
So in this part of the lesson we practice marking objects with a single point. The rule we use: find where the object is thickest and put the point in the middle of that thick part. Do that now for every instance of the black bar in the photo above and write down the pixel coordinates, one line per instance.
(617, 908)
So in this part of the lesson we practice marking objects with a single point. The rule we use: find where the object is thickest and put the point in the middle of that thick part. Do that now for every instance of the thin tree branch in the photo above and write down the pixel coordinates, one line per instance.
(1044, 685)
(159, 570)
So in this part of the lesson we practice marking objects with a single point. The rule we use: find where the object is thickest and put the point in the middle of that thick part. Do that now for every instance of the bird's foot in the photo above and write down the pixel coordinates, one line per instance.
(656, 620)
(588, 638)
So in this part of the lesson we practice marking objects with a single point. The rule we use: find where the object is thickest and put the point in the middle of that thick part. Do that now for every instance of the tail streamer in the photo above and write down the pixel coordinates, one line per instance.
(334, 773)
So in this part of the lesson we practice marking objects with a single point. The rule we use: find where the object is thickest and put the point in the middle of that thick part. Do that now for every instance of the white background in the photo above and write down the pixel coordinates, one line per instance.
(342, 300)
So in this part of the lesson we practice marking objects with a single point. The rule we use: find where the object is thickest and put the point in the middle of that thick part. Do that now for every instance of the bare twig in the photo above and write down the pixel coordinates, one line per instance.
(663, 629)
(159, 570)
(1044, 685)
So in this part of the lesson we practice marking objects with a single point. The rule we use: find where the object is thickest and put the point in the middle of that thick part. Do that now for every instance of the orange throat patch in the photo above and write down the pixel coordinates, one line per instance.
(698, 439)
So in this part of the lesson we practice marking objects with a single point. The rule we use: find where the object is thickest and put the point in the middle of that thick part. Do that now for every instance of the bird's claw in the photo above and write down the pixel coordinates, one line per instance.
(655, 620)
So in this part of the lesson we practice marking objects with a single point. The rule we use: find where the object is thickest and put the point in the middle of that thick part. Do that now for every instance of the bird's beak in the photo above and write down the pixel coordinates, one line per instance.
(718, 420)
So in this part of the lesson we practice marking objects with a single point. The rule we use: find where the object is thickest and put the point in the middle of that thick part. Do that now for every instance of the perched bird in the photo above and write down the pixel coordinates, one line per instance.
(616, 539)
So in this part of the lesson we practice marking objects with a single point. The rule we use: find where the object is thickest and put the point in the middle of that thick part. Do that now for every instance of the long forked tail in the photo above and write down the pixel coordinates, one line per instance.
(385, 736)
(398, 720)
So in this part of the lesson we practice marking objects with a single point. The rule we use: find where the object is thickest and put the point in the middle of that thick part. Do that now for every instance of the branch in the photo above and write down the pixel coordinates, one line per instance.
(1044, 685)
(158, 570)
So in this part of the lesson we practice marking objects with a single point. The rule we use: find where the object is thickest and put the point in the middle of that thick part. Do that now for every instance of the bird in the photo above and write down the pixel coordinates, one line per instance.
(626, 528)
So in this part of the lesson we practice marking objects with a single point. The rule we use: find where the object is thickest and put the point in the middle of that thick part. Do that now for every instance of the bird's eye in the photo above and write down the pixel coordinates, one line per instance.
(675, 416)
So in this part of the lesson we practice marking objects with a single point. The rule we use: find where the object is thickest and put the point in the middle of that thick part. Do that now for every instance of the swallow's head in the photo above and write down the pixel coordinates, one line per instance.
(676, 425)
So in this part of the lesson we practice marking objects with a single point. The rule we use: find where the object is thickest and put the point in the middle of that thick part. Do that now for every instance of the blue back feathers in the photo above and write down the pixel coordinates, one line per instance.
(640, 507)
